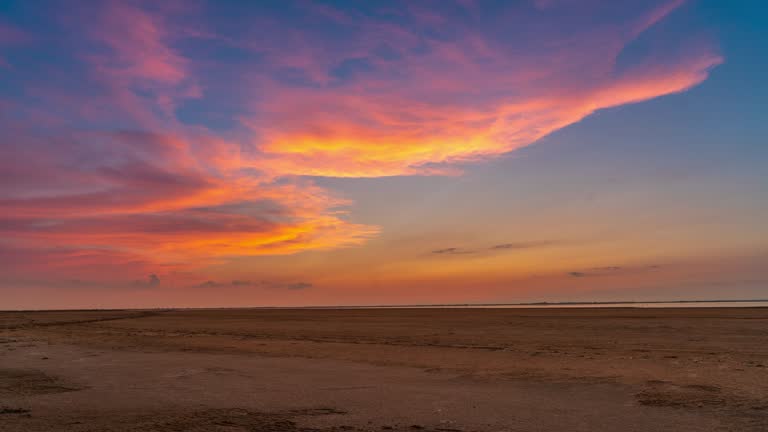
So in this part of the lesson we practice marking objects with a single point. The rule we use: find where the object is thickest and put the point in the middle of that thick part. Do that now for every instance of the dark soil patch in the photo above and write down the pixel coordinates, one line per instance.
(212, 420)
(30, 382)
(6, 410)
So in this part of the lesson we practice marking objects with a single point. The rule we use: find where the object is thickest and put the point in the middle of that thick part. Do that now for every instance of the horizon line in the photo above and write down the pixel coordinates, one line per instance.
(404, 306)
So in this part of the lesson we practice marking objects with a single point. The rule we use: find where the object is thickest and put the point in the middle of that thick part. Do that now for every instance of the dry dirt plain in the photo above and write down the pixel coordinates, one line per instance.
(302, 370)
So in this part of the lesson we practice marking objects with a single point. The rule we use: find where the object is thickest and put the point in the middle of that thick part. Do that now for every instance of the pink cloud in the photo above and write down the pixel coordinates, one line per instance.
(458, 98)
(10, 36)
(139, 44)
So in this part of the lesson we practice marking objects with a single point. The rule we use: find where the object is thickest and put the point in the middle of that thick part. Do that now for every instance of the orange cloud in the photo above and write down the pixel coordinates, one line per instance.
(359, 111)
(148, 196)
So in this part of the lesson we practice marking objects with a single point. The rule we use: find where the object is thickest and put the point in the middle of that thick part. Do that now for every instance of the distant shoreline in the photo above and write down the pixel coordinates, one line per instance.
(534, 305)
(524, 305)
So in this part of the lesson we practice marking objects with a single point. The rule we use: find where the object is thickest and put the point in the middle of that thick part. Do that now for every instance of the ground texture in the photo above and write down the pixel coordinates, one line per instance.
(392, 369)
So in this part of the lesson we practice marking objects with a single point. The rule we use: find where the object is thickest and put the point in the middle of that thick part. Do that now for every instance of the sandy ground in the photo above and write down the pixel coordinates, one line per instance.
(376, 370)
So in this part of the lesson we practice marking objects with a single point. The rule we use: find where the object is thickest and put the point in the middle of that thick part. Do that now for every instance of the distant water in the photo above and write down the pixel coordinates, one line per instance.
(691, 304)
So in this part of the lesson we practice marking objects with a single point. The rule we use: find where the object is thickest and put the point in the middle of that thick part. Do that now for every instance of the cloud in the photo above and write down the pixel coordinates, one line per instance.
(78, 268)
(519, 245)
(607, 269)
(597, 271)
(9, 36)
(139, 44)
(152, 281)
(495, 248)
(458, 95)
(69, 263)
(612, 270)
(110, 168)
(452, 251)
(299, 286)
(257, 284)
(146, 194)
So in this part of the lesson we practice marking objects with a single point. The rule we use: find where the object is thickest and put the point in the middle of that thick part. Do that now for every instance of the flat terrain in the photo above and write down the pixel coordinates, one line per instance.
(410, 370)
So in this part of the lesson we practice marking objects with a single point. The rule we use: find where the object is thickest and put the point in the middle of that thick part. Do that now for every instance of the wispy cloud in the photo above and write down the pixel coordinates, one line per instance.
(139, 42)
(9, 36)
(520, 245)
(256, 284)
(612, 270)
(452, 251)
(460, 95)
(152, 281)
(503, 247)
(138, 179)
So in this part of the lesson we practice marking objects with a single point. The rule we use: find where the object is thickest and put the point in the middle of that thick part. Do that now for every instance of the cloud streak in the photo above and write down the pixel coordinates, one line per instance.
(293, 286)
(452, 251)
(503, 247)
(409, 98)
(611, 271)
(520, 245)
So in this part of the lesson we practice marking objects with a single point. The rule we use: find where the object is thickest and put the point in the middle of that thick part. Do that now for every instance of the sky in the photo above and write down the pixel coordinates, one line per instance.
(290, 153)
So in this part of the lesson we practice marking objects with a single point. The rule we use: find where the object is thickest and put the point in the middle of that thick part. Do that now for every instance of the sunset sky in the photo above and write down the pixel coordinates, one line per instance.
(223, 153)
